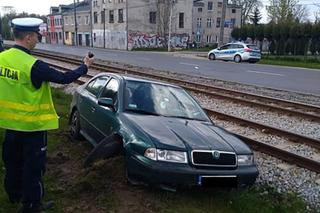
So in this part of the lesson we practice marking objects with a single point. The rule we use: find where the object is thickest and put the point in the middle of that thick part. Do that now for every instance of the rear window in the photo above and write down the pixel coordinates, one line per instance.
(254, 47)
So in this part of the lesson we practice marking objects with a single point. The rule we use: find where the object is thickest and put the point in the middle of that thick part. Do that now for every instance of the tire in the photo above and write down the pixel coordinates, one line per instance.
(237, 58)
(75, 126)
(106, 148)
(212, 56)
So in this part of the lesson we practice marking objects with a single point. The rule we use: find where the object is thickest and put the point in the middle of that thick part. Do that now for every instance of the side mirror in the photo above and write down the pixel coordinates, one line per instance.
(219, 48)
(107, 102)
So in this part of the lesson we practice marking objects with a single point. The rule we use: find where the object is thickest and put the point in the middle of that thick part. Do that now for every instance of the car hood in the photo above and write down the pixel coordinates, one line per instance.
(177, 133)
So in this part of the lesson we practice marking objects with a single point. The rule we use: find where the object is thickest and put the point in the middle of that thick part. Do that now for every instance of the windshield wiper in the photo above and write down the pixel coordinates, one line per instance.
(143, 112)
(184, 117)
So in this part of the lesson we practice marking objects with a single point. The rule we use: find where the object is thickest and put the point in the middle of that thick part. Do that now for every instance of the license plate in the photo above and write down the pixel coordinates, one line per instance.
(255, 54)
(218, 181)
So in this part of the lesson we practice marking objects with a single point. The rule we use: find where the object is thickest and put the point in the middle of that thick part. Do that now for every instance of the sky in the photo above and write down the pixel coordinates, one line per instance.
(42, 7)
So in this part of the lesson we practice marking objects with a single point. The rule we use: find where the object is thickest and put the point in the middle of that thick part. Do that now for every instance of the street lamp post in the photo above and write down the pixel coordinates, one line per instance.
(171, 4)
(75, 22)
(104, 26)
(223, 18)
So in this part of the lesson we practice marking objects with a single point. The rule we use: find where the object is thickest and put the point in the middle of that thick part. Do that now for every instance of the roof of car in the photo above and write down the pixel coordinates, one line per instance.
(133, 78)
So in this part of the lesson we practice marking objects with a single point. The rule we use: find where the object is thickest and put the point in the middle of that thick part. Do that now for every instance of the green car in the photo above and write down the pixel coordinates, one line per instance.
(166, 137)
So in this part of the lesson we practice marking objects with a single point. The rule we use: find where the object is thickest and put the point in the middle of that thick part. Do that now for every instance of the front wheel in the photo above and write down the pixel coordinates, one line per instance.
(237, 59)
(75, 126)
(212, 56)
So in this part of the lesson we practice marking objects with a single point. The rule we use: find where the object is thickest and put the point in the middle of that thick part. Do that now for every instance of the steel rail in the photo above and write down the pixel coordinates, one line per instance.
(261, 146)
(290, 107)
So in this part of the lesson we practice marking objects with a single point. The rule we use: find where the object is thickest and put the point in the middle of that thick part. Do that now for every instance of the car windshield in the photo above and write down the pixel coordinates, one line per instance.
(162, 100)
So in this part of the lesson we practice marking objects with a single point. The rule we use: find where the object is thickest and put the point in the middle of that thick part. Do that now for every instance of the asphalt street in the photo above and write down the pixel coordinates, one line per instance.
(285, 78)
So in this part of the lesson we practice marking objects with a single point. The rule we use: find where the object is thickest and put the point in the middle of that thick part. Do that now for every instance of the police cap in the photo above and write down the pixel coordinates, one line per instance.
(26, 24)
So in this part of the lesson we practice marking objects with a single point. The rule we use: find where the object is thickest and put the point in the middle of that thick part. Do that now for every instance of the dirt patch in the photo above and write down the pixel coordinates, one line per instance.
(99, 188)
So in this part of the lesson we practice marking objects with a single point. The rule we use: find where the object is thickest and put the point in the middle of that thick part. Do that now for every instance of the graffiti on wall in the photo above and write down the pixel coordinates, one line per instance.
(143, 40)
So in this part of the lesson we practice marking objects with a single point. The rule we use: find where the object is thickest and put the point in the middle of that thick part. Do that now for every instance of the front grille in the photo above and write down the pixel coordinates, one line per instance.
(214, 158)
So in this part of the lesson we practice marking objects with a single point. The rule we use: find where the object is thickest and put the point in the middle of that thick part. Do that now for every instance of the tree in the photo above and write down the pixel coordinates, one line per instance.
(256, 16)
(6, 19)
(286, 11)
(247, 8)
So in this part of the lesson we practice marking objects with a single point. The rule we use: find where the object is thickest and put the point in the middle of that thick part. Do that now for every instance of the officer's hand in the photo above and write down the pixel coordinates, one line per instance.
(88, 60)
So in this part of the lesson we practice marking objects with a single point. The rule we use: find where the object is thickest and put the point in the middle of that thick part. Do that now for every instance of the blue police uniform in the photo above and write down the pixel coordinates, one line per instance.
(24, 153)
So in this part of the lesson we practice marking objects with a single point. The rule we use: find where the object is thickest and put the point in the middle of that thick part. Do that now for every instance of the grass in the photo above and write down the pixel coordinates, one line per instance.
(311, 62)
(103, 188)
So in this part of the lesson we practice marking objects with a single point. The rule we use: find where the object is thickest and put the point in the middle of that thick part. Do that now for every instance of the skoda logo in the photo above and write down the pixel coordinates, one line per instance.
(216, 154)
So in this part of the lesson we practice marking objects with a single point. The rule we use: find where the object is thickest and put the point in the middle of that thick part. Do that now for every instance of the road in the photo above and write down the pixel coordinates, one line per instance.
(278, 77)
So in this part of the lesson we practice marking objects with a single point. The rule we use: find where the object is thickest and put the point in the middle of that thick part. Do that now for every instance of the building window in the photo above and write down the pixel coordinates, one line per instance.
(199, 22)
(181, 20)
(198, 38)
(218, 22)
(219, 4)
(210, 5)
(67, 35)
(153, 17)
(95, 3)
(95, 17)
(60, 35)
(233, 10)
(209, 22)
(209, 38)
(120, 15)
(200, 9)
(87, 20)
(111, 16)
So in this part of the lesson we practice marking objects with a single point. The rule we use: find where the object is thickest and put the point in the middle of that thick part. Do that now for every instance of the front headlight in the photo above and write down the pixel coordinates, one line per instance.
(245, 160)
(166, 155)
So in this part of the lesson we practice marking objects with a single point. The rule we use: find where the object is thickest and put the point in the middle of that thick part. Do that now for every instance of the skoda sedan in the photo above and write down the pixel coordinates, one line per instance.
(167, 138)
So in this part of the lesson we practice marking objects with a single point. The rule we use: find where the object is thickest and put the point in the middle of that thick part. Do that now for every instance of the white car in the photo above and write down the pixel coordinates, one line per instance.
(236, 52)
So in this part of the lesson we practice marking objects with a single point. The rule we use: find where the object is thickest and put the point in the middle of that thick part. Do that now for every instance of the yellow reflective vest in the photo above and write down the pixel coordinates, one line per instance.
(22, 106)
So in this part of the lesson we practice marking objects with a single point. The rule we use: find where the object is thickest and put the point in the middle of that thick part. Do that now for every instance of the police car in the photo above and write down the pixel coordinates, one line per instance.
(236, 52)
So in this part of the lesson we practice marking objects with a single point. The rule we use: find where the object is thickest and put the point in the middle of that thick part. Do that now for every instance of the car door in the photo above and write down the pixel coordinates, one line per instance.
(88, 105)
(223, 52)
(106, 118)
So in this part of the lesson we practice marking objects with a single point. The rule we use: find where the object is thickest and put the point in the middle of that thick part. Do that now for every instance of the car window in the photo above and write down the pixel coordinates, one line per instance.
(95, 86)
(111, 91)
(224, 47)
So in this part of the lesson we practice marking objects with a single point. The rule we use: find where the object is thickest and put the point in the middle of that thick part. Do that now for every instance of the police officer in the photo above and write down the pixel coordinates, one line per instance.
(27, 112)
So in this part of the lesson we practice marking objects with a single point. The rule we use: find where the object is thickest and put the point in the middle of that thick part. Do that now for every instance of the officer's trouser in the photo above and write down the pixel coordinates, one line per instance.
(24, 157)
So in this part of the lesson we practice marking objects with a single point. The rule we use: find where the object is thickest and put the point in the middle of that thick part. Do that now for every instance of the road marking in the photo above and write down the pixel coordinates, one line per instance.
(265, 73)
(195, 65)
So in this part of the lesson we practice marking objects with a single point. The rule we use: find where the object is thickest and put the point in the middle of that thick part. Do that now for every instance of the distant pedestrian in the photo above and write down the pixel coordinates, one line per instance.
(27, 112)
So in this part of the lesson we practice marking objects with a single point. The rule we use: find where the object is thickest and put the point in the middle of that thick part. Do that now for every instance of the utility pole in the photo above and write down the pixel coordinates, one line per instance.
(127, 24)
(223, 18)
(171, 4)
(91, 24)
(75, 22)
(104, 26)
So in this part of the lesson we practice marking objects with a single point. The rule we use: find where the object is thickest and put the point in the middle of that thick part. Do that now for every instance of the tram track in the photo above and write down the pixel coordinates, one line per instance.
(291, 108)
(272, 150)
